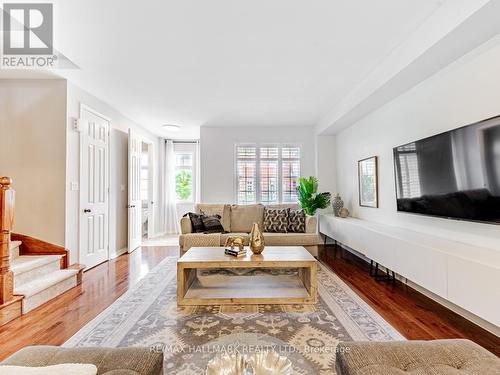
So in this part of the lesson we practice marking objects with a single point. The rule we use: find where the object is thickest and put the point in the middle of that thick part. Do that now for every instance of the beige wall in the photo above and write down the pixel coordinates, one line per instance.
(32, 152)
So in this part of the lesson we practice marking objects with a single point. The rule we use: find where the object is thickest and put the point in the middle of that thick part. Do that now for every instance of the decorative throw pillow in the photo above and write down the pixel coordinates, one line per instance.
(297, 221)
(212, 224)
(196, 222)
(276, 220)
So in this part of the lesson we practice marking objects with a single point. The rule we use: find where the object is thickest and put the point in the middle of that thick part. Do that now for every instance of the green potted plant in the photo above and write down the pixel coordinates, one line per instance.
(309, 198)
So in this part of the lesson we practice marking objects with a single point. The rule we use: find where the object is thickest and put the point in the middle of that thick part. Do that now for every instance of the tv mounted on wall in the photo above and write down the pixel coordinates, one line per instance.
(454, 174)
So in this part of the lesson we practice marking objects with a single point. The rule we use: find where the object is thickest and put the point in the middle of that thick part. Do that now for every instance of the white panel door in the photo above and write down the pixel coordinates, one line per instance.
(134, 191)
(94, 189)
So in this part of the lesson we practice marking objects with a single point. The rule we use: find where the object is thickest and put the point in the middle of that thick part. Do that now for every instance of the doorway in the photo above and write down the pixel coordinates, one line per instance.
(147, 203)
(94, 191)
(140, 190)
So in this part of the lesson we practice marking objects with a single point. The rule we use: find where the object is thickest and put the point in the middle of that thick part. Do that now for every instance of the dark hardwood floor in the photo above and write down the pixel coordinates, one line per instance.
(414, 315)
(56, 321)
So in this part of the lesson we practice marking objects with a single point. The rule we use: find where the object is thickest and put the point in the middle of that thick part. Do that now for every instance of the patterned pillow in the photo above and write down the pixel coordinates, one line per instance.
(196, 222)
(212, 224)
(297, 221)
(276, 220)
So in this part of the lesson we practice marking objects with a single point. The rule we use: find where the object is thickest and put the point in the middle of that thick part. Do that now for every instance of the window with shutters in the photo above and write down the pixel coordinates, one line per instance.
(267, 174)
(408, 180)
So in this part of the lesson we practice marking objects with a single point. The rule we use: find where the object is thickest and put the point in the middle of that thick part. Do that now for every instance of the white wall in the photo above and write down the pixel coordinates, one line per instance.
(465, 92)
(217, 155)
(118, 171)
(32, 153)
(326, 166)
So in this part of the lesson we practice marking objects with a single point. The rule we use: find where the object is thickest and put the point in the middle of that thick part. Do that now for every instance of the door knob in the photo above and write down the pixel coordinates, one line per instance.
(87, 210)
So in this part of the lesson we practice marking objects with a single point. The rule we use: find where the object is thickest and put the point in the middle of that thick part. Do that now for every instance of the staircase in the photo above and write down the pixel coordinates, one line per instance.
(39, 278)
(32, 271)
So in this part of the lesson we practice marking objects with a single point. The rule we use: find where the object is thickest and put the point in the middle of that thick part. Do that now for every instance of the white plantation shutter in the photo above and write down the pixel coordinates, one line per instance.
(246, 171)
(409, 181)
(267, 174)
(290, 167)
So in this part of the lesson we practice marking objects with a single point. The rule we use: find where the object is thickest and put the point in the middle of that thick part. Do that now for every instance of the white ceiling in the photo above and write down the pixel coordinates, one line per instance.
(229, 62)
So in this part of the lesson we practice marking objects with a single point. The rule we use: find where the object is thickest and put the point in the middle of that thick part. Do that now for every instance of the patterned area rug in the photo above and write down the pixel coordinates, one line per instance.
(147, 315)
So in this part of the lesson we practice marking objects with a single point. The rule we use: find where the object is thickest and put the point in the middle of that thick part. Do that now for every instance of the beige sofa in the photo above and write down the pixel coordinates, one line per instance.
(438, 357)
(237, 220)
(109, 361)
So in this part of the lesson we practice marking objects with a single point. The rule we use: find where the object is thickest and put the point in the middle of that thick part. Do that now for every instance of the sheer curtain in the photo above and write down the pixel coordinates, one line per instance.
(198, 174)
(171, 220)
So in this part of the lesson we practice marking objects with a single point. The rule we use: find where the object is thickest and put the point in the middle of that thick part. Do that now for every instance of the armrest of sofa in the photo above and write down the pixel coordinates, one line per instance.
(311, 224)
(186, 226)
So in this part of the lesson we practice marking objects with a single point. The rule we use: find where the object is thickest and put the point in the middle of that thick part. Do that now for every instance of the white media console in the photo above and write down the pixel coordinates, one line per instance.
(467, 276)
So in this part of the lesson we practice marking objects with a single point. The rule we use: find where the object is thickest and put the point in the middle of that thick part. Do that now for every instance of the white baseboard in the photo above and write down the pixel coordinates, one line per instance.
(118, 253)
(490, 327)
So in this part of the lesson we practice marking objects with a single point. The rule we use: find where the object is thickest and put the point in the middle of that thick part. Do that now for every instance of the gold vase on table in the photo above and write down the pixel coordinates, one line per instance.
(256, 239)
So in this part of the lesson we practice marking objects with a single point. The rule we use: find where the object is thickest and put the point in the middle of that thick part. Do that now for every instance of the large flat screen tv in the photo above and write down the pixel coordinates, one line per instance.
(454, 174)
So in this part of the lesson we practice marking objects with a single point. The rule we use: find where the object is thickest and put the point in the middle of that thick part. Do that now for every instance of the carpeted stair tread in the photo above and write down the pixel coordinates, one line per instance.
(14, 244)
(44, 282)
(27, 263)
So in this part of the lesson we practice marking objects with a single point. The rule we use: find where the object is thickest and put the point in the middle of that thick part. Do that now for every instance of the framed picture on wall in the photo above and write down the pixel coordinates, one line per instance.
(368, 182)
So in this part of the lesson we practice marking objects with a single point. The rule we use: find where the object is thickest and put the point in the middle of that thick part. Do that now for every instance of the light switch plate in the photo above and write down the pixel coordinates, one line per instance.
(74, 186)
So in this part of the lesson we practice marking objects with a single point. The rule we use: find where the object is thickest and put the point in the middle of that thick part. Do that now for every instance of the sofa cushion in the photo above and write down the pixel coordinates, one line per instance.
(296, 221)
(118, 361)
(276, 220)
(223, 210)
(212, 224)
(189, 240)
(291, 239)
(292, 206)
(243, 217)
(446, 357)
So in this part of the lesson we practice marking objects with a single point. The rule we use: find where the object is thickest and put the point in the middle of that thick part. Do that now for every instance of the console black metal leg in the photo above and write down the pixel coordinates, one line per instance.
(388, 276)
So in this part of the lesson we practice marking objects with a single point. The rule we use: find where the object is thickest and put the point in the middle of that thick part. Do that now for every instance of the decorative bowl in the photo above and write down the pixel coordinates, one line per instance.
(270, 363)
(229, 364)
(260, 363)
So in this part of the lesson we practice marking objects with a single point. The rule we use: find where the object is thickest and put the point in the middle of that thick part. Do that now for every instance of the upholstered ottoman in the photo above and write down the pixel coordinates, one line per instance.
(120, 361)
(439, 357)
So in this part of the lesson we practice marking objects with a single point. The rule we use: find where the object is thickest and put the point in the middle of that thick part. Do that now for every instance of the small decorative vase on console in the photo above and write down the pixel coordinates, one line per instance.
(343, 213)
(256, 239)
(337, 205)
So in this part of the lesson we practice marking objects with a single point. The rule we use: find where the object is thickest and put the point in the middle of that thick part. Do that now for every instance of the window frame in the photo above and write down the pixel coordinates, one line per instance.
(279, 161)
(185, 168)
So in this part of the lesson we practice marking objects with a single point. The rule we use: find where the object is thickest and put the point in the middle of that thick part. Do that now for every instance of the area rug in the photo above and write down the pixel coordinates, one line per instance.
(147, 315)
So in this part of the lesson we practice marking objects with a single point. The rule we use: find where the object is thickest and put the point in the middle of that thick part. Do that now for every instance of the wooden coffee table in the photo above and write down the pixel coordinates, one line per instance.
(295, 288)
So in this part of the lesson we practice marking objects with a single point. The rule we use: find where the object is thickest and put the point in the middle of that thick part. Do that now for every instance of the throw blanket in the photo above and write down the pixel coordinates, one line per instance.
(64, 369)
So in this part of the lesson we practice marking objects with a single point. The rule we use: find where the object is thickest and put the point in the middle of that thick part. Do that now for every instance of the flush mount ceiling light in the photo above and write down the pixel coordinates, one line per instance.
(172, 128)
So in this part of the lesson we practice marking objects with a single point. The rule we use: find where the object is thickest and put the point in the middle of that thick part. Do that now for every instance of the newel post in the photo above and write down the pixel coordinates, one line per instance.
(6, 222)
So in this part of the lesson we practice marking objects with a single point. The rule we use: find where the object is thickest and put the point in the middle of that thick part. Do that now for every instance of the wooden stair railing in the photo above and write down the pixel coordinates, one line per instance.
(6, 222)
